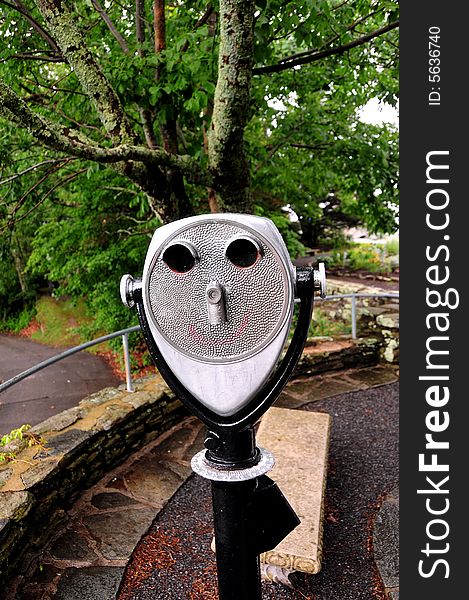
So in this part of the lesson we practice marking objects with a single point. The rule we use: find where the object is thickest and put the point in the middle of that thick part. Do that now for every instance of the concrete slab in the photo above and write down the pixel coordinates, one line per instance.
(299, 441)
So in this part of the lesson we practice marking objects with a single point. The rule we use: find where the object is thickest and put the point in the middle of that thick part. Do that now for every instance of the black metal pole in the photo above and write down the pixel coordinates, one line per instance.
(238, 567)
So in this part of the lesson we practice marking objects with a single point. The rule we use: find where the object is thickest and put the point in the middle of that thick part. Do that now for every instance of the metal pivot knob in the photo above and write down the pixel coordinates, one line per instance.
(128, 286)
(320, 284)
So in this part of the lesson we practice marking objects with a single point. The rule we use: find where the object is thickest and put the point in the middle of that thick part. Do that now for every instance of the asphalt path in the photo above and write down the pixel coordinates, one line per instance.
(50, 391)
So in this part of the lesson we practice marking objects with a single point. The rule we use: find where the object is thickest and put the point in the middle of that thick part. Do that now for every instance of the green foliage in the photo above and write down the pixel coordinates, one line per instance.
(392, 247)
(290, 237)
(18, 321)
(323, 325)
(89, 242)
(373, 258)
(15, 434)
(75, 226)
(13, 442)
(366, 257)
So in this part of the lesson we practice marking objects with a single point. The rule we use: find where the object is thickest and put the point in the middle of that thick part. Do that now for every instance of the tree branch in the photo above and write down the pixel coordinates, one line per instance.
(49, 172)
(69, 141)
(203, 19)
(336, 37)
(146, 116)
(168, 129)
(18, 6)
(34, 56)
(60, 183)
(159, 25)
(51, 161)
(140, 23)
(313, 55)
(112, 28)
(93, 81)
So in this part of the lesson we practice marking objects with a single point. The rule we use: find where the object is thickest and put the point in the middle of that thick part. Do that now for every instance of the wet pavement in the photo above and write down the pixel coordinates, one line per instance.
(51, 390)
(144, 531)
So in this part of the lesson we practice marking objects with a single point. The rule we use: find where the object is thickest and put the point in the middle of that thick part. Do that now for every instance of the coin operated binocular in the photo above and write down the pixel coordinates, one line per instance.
(215, 305)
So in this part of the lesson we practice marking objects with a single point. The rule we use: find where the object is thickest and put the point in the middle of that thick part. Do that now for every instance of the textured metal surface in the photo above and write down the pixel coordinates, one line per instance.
(257, 298)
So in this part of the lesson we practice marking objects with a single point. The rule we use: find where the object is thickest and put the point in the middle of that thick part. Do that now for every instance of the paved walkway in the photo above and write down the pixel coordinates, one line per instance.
(105, 531)
(50, 391)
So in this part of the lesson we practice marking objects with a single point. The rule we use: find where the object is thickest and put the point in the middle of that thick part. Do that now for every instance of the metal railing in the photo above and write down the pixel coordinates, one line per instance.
(125, 341)
(353, 296)
(50, 361)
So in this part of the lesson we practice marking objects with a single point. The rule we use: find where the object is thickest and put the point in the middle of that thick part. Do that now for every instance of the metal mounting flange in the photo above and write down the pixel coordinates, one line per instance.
(209, 470)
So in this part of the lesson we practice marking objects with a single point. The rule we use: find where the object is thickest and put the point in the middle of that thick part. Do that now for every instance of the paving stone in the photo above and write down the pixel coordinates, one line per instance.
(119, 532)
(89, 583)
(60, 421)
(175, 444)
(32, 591)
(117, 483)
(386, 540)
(285, 400)
(391, 304)
(375, 310)
(309, 391)
(197, 443)
(38, 472)
(46, 573)
(374, 376)
(15, 505)
(71, 546)
(111, 500)
(299, 442)
(66, 442)
(152, 480)
(181, 470)
(36, 589)
(300, 388)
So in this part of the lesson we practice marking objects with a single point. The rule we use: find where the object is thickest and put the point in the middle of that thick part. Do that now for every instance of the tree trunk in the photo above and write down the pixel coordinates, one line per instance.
(227, 155)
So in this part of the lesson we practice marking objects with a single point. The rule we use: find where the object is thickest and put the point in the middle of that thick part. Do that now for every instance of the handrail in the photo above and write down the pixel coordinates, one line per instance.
(50, 361)
(354, 296)
(125, 332)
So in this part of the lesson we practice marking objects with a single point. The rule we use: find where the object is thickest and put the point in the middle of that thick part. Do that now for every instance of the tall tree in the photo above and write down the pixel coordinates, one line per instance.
(116, 116)
(137, 87)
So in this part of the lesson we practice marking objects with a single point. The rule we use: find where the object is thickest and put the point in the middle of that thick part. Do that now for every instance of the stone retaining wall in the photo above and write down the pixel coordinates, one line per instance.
(80, 445)
(376, 317)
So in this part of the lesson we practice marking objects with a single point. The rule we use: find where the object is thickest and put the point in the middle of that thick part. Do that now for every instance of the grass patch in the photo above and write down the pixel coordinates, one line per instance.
(58, 321)
(323, 325)
(372, 258)
(18, 322)
(391, 247)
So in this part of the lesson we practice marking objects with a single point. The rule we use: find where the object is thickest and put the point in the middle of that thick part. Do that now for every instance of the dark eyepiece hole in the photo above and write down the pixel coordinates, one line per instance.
(179, 258)
(242, 252)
